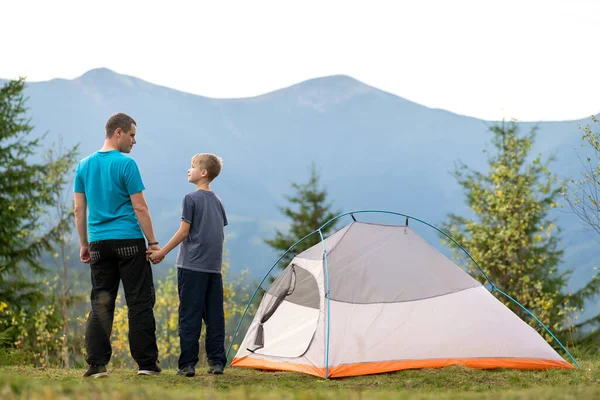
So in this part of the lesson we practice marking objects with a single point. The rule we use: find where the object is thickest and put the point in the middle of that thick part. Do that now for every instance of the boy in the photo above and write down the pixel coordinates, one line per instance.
(199, 279)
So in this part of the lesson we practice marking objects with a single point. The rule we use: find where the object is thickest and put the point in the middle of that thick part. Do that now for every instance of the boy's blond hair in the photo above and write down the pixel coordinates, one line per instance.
(210, 162)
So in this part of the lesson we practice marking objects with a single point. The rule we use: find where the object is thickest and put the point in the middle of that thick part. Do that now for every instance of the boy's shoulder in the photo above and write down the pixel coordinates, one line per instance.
(196, 194)
(199, 195)
(192, 195)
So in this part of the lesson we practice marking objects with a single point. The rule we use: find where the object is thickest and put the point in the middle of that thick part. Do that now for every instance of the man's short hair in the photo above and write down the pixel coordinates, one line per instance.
(210, 162)
(119, 120)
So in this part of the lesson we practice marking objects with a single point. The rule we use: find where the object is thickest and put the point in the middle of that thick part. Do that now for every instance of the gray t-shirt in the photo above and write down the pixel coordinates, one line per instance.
(202, 250)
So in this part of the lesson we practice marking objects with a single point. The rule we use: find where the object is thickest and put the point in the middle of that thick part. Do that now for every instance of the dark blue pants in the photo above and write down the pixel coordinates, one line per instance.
(200, 298)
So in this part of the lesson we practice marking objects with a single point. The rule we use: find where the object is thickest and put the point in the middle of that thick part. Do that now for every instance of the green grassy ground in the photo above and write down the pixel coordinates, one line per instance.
(447, 383)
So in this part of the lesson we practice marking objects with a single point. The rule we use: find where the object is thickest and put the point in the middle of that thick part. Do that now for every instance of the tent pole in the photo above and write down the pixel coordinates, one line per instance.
(416, 219)
(328, 297)
(539, 322)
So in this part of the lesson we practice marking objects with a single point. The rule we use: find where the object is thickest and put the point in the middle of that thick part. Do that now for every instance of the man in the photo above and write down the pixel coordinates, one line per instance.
(108, 183)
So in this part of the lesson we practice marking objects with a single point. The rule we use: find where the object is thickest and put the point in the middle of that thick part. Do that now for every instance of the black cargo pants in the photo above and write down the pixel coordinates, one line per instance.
(112, 261)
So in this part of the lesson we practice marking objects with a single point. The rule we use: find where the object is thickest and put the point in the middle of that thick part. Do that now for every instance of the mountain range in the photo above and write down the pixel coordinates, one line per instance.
(373, 149)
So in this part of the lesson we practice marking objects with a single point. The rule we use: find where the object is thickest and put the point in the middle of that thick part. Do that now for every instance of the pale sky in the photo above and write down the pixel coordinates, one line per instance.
(491, 59)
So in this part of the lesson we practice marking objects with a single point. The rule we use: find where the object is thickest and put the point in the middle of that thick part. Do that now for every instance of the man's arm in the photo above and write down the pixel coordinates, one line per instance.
(80, 208)
(143, 215)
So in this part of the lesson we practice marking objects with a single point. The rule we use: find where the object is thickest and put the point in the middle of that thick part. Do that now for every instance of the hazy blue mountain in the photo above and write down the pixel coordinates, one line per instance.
(375, 150)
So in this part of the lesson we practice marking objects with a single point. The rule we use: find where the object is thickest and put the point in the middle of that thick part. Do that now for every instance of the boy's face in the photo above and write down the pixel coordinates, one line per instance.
(196, 173)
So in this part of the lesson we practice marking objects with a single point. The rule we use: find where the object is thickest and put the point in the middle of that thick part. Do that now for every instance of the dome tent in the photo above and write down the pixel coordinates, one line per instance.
(375, 298)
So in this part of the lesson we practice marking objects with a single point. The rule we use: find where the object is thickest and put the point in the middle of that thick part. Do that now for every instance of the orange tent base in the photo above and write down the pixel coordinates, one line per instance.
(389, 366)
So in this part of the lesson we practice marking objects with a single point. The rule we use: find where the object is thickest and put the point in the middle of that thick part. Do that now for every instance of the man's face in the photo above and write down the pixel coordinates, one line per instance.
(126, 140)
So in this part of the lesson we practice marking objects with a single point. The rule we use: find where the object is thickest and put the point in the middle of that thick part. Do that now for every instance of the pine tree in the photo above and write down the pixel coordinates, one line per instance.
(512, 236)
(309, 210)
(26, 196)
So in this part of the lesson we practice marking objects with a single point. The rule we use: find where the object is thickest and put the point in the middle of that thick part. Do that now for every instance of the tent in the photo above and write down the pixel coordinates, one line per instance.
(375, 298)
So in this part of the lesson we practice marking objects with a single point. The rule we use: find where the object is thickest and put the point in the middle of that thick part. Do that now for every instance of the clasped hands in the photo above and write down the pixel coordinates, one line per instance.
(155, 254)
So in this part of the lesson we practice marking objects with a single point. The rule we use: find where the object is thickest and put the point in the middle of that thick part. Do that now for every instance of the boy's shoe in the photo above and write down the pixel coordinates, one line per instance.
(188, 371)
(96, 371)
(216, 369)
(153, 370)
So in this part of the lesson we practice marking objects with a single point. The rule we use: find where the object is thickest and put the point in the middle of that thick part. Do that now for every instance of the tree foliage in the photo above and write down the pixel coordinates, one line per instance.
(308, 211)
(583, 195)
(511, 234)
(26, 195)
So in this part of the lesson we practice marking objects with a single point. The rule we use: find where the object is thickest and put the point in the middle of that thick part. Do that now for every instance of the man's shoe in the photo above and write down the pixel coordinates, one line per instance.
(153, 370)
(216, 369)
(96, 371)
(188, 371)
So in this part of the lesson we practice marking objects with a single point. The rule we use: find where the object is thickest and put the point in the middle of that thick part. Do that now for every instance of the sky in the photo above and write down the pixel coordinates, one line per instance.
(526, 59)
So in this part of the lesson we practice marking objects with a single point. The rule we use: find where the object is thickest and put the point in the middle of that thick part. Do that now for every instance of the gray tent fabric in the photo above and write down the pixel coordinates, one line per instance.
(316, 252)
(364, 253)
(306, 290)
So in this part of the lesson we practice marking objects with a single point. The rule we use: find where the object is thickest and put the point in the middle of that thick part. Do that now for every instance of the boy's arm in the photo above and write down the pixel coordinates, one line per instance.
(143, 215)
(182, 232)
(80, 211)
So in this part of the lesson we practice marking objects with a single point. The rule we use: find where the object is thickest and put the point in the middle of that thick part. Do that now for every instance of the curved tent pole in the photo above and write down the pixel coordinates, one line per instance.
(319, 230)
(539, 322)
(416, 219)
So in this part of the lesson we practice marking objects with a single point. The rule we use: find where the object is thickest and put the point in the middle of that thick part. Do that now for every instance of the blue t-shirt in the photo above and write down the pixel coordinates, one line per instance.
(202, 249)
(108, 179)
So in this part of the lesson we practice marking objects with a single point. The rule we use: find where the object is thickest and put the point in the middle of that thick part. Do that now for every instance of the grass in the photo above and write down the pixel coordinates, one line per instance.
(21, 382)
